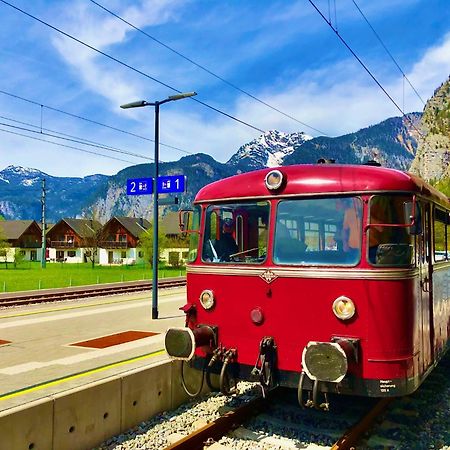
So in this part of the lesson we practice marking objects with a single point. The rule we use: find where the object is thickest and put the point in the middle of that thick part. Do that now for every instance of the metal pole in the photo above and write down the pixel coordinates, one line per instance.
(155, 218)
(43, 244)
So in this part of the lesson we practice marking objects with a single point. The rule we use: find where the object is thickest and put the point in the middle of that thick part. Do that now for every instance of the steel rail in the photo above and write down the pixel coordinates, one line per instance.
(219, 427)
(354, 434)
(29, 297)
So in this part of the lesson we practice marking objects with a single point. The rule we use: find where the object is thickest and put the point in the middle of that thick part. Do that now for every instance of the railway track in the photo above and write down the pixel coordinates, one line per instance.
(288, 424)
(51, 295)
(417, 421)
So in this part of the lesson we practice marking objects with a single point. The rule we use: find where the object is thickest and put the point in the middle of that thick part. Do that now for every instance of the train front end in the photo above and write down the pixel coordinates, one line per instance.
(283, 288)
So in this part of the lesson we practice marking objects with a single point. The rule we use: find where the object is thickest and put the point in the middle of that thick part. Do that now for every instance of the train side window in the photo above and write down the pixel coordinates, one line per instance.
(389, 243)
(440, 235)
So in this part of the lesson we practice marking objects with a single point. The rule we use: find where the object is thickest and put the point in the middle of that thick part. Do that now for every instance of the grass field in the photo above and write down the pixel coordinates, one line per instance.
(30, 276)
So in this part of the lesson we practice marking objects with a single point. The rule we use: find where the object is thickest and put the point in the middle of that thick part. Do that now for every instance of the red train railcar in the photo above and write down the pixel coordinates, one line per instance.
(327, 278)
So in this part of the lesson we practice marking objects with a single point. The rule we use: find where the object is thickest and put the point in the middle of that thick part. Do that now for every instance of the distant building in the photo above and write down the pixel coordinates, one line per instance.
(24, 236)
(74, 240)
(177, 252)
(120, 242)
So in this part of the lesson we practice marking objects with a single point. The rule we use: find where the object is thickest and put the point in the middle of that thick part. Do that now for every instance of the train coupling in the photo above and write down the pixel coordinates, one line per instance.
(181, 342)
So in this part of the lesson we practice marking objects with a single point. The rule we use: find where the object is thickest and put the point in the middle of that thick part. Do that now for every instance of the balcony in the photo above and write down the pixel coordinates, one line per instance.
(30, 244)
(113, 244)
(63, 244)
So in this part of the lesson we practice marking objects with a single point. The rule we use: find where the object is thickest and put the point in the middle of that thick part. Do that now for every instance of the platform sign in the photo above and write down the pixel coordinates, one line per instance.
(171, 184)
(140, 186)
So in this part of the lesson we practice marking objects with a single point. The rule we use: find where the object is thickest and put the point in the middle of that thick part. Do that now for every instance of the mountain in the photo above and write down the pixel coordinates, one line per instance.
(432, 161)
(21, 190)
(269, 150)
(393, 143)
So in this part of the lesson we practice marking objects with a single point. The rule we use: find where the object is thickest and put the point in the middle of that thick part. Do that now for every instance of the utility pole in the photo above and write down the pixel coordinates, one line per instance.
(43, 252)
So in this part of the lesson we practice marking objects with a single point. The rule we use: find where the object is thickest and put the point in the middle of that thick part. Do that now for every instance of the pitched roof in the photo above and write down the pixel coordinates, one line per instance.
(135, 225)
(171, 223)
(84, 227)
(13, 229)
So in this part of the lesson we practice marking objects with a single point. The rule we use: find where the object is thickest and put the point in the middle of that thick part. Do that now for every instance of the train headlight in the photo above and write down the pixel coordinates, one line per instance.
(207, 299)
(274, 179)
(344, 308)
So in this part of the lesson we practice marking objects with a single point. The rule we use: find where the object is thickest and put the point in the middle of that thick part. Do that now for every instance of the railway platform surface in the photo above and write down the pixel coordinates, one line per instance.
(47, 349)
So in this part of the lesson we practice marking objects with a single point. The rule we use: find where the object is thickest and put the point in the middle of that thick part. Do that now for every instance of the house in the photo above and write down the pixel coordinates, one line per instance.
(24, 236)
(74, 240)
(176, 253)
(121, 240)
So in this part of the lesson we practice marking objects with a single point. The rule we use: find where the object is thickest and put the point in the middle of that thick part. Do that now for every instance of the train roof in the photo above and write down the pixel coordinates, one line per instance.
(310, 179)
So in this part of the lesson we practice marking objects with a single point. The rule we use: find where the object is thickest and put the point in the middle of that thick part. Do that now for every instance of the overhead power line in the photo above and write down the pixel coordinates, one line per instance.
(202, 67)
(75, 140)
(91, 121)
(364, 66)
(65, 146)
(118, 61)
(387, 51)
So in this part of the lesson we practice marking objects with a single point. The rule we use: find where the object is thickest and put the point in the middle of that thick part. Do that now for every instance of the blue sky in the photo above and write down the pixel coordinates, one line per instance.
(281, 52)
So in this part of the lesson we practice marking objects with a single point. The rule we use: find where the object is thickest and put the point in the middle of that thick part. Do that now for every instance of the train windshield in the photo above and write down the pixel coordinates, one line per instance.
(236, 233)
(320, 231)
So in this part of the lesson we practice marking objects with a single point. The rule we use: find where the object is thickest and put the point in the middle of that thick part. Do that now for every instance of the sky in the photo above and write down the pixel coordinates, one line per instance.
(256, 65)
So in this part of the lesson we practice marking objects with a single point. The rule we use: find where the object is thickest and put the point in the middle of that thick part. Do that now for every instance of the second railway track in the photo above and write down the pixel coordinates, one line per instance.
(51, 295)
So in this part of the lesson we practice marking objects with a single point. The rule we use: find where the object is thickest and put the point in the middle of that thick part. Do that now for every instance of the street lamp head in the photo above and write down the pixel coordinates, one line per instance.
(182, 95)
(137, 104)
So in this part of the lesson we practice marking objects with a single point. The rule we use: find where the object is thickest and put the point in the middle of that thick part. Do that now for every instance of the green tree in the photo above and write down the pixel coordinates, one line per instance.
(4, 248)
(146, 243)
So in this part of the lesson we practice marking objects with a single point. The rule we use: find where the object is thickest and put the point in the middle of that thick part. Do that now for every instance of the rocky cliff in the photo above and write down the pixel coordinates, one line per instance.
(433, 153)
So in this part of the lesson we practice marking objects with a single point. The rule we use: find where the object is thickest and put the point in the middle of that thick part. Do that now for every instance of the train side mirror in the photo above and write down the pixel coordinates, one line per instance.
(411, 212)
(186, 221)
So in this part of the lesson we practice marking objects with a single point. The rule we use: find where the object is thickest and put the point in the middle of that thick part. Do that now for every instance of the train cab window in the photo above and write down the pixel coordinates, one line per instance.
(236, 233)
(441, 229)
(389, 241)
(323, 231)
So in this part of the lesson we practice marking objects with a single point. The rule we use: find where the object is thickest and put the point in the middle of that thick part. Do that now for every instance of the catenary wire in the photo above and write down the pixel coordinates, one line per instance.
(134, 69)
(92, 121)
(387, 51)
(66, 146)
(77, 141)
(364, 66)
(200, 66)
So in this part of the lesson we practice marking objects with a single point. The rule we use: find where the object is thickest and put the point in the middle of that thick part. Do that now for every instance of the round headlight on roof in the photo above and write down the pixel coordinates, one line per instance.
(344, 308)
(207, 299)
(274, 179)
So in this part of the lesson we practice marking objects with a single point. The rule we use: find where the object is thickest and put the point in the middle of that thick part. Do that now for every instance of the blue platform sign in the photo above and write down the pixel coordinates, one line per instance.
(166, 185)
(140, 186)
(171, 184)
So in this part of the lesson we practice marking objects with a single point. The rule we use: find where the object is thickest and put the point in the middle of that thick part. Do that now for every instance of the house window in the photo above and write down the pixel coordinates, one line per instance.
(71, 253)
(59, 255)
(23, 252)
(123, 254)
(185, 255)
(141, 254)
(33, 255)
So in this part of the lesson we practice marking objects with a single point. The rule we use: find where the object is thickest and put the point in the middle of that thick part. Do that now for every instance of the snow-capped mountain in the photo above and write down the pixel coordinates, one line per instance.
(18, 175)
(21, 190)
(269, 150)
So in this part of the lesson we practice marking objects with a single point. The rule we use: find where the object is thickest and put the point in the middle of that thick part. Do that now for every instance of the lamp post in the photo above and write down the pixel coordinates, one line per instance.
(156, 104)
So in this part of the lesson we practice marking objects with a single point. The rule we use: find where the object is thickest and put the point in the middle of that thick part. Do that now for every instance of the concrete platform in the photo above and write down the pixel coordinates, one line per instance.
(39, 358)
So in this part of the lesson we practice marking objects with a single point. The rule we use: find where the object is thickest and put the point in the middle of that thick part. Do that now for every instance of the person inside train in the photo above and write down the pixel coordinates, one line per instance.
(351, 225)
(226, 246)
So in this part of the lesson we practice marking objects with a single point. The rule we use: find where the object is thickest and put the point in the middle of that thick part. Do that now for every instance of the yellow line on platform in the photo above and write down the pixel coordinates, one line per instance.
(78, 375)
